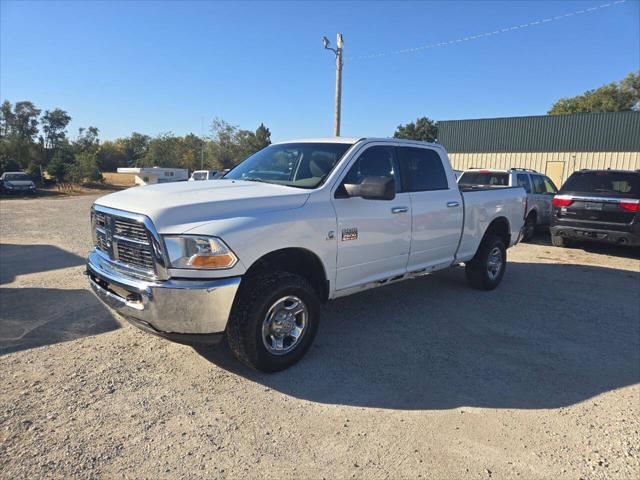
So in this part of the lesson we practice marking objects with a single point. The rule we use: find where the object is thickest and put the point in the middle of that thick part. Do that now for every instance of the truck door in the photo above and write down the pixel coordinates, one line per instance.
(437, 210)
(373, 235)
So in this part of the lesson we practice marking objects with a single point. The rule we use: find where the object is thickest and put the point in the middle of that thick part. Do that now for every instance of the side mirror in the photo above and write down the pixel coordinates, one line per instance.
(373, 188)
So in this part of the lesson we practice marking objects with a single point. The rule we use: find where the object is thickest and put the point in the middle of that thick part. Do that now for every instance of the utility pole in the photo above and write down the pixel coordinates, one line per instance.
(202, 144)
(338, 100)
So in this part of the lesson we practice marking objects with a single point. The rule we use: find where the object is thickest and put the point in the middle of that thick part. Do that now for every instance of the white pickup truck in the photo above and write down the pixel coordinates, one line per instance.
(251, 257)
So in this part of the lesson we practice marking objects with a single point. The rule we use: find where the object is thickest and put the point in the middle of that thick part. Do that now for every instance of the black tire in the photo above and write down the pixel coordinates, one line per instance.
(477, 270)
(529, 228)
(255, 297)
(559, 241)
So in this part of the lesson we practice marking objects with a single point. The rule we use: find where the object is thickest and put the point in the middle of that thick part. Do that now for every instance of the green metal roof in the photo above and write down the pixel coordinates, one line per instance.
(581, 132)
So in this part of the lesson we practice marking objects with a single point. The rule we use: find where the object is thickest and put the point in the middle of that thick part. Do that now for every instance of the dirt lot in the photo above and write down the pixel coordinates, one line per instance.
(423, 379)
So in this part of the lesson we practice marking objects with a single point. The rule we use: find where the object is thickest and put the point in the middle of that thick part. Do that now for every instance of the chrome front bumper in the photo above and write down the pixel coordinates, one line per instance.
(169, 307)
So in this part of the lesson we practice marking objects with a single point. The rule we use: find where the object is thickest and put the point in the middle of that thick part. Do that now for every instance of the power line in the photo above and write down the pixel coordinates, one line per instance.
(487, 34)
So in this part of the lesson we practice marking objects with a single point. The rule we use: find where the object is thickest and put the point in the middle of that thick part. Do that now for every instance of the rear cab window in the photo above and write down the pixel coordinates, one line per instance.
(481, 177)
(623, 184)
(421, 170)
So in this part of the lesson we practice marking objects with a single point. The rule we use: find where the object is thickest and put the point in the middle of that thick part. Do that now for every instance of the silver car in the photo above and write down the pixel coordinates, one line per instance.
(17, 182)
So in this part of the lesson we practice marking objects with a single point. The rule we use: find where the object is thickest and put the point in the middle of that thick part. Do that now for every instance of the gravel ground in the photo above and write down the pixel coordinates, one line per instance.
(422, 379)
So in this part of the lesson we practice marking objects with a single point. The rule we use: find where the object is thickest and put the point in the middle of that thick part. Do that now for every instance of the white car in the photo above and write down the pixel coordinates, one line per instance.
(199, 175)
(250, 257)
(17, 182)
(540, 191)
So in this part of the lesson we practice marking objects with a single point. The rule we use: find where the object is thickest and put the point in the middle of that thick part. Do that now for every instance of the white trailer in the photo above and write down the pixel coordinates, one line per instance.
(150, 175)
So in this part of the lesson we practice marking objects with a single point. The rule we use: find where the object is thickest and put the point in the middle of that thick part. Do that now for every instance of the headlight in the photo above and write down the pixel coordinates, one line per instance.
(206, 253)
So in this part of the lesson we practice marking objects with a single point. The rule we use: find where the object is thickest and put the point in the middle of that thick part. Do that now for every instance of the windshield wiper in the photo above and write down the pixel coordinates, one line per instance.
(254, 179)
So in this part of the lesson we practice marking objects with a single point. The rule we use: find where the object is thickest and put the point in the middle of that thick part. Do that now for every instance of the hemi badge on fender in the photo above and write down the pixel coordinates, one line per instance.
(349, 234)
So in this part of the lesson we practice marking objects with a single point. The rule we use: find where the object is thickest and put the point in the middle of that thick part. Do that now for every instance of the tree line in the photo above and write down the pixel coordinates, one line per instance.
(37, 142)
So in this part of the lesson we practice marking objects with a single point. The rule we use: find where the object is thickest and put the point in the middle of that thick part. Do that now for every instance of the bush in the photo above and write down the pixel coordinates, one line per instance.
(84, 168)
(60, 163)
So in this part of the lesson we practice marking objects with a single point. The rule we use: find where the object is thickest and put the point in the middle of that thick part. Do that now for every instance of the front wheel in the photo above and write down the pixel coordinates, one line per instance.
(274, 321)
(486, 269)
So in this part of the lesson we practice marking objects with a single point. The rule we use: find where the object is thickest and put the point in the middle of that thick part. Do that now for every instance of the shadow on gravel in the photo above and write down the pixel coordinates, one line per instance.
(33, 317)
(23, 259)
(544, 238)
(550, 336)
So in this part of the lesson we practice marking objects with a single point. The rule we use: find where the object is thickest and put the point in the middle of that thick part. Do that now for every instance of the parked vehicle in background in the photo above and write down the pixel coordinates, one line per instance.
(457, 174)
(16, 183)
(295, 224)
(151, 175)
(598, 205)
(540, 191)
(199, 175)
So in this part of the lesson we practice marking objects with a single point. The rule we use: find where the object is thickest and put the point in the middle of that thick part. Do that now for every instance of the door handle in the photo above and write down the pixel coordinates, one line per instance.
(397, 210)
(453, 204)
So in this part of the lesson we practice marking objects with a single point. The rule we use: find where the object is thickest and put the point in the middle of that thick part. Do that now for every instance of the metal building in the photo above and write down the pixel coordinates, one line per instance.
(555, 145)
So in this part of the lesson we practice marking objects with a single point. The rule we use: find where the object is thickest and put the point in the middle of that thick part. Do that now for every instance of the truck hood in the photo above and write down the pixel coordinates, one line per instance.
(181, 206)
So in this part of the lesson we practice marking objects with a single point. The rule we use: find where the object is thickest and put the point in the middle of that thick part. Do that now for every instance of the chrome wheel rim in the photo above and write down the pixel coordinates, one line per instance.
(284, 325)
(494, 263)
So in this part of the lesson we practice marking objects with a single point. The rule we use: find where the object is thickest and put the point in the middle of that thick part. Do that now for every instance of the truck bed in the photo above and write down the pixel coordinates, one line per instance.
(482, 204)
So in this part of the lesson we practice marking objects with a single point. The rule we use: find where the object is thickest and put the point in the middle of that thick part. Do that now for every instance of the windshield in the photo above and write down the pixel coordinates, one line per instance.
(621, 183)
(484, 178)
(199, 175)
(17, 177)
(302, 165)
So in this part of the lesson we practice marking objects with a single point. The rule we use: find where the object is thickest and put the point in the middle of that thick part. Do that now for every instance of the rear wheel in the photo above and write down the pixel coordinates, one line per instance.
(274, 321)
(529, 228)
(486, 269)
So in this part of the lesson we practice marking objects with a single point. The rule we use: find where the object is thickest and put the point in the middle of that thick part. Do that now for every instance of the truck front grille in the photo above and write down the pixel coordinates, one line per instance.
(125, 241)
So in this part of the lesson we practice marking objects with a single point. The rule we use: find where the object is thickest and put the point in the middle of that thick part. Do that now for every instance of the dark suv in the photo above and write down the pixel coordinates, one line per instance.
(597, 205)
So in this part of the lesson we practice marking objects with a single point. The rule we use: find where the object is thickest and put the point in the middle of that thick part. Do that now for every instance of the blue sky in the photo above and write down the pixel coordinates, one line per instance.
(161, 66)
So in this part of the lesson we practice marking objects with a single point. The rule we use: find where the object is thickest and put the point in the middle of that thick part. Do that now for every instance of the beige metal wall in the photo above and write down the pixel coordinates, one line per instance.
(571, 161)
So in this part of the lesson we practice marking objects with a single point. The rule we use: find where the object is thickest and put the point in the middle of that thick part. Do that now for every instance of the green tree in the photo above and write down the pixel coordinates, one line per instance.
(59, 164)
(83, 168)
(423, 129)
(6, 118)
(87, 140)
(613, 97)
(225, 148)
(111, 155)
(229, 145)
(18, 130)
(135, 147)
(192, 153)
(54, 124)
(163, 151)
(251, 142)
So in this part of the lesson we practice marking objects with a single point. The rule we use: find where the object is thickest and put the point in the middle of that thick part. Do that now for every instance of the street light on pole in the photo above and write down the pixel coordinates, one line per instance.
(338, 52)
